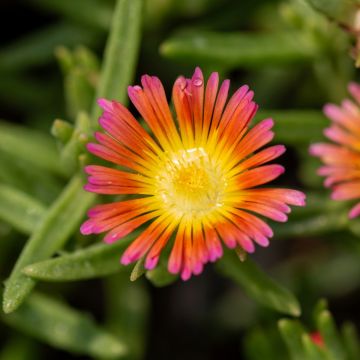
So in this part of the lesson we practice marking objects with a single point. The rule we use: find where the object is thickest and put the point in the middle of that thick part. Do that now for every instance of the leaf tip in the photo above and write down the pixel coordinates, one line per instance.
(295, 309)
(28, 271)
(282, 324)
(9, 305)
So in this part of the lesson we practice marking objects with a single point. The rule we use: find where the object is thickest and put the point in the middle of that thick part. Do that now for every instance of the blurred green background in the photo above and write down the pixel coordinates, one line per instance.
(56, 58)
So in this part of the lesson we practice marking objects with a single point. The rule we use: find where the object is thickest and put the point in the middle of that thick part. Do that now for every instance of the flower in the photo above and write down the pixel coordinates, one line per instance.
(342, 159)
(194, 178)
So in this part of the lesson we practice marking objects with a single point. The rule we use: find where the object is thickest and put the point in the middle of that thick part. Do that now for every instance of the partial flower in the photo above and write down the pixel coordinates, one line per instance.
(195, 177)
(341, 158)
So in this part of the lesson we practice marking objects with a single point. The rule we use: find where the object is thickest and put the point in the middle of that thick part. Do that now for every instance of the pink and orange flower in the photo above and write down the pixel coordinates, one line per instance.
(193, 183)
(342, 157)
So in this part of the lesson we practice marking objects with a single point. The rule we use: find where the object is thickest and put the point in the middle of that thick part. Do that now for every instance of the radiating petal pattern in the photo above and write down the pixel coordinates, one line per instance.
(193, 180)
(342, 159)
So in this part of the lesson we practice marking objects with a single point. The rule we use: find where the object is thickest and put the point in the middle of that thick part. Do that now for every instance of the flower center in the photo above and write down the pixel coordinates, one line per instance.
(190, 183)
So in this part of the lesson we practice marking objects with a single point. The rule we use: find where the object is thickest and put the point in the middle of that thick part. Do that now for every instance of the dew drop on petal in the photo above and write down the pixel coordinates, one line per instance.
(197, 82)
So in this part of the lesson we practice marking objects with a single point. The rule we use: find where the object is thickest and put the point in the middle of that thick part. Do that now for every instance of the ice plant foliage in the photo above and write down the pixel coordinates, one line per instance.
(342, 157)
(195, 178)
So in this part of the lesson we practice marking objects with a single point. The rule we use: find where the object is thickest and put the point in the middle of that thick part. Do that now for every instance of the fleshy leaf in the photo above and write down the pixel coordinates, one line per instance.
(331, 336)
(55, 228)
(260, 345)
(312, 351)
(258, 285)
(117, 69)
(58, 325)
(80, 69)
(289, 125)
(92, 262)
(292, 332)
(239, 49)
(138, 270)
(351, 341)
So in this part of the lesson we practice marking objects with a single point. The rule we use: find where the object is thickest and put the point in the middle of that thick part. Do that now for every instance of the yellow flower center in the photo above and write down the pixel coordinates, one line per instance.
(189, 183)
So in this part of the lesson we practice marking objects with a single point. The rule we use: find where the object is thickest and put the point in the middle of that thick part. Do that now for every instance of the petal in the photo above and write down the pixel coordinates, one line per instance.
(220, 103)
(143, 242)
(197, 102)
(155, 93)
(183, 111)
(176, 256)
(143, 105)
(210, 97)
(346, 191)
(258, 176)
(259, 158)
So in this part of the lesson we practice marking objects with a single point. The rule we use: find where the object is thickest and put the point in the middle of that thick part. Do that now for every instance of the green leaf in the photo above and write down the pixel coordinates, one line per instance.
(79, 92)
(238, 49)
(58, 325)
(120, 53)
(320, 306)
(312, 351)
(19, 209)
(316, 202)
(59, 223)
(261, 345)
(138, 270)
(81, 72)
(331, 336)
(316, 224)
(31, 146)
(290, 124)
(258, 285)
(292, 333)
(62, 130)
(92, 262)
(351, 341)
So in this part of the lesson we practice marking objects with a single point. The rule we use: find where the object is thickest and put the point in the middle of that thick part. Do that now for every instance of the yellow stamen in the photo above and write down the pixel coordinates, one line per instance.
(189, 182)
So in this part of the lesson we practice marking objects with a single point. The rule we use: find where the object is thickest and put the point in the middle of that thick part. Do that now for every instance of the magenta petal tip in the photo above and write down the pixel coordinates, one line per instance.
(86, 228)
(125, 260)
(186, 274)
(355, 211)
(150, 263)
